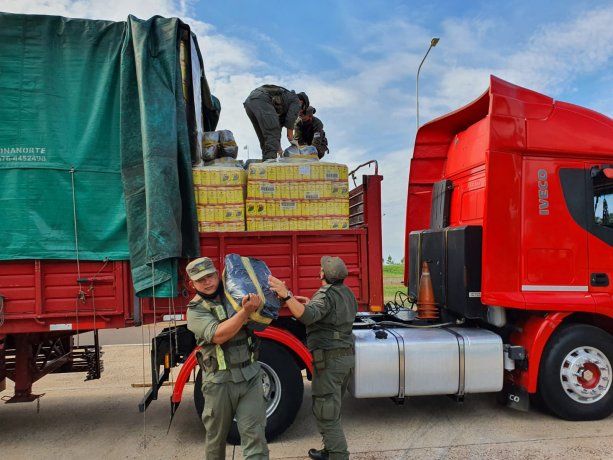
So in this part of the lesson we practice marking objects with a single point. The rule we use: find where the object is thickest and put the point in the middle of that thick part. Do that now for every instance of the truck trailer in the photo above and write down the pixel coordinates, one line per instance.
(507, 266)
(88, 106)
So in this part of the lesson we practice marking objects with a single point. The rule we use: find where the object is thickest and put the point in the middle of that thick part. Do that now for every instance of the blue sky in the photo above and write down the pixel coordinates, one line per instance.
(357, 61)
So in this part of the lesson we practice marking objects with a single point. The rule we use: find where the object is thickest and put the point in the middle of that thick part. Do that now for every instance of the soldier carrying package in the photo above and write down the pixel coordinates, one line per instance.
(231, 374)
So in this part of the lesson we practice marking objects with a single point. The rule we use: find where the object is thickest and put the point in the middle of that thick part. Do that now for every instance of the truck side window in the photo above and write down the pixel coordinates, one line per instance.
(603, 199)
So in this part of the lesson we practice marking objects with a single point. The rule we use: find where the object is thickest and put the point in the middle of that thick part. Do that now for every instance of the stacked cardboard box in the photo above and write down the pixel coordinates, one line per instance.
(297, 195)
(220, 197)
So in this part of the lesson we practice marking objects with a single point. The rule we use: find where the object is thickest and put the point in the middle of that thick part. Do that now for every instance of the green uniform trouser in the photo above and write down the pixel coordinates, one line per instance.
(265, 121)
(243, 400)
(328, 388)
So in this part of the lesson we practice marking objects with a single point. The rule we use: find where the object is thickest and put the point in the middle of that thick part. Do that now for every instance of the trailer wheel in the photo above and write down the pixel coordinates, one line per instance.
(283, 390)
(576, 373)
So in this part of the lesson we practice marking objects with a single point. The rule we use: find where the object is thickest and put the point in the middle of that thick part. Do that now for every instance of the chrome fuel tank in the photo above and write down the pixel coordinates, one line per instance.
(426, 361)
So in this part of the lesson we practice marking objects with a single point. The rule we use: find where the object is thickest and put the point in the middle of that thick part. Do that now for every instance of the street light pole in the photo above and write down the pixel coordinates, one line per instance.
(433, 43)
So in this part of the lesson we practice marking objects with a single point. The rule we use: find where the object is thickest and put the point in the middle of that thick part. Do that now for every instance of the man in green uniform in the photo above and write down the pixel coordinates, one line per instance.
(309, 130)
(270, 107)
(231, 380)
(329, 318)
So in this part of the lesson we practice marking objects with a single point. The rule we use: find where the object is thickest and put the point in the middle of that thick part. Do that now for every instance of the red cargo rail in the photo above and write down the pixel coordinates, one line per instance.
(294, 256)
(51, 296)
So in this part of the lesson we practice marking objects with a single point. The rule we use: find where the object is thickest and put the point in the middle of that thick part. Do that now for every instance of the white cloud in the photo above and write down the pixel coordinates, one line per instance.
(114, 10)
(557, 53)
(549, 60)
(221, 54)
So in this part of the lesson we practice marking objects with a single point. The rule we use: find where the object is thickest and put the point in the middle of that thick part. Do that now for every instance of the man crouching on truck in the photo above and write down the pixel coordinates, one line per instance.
(231, 380)
(329, 318)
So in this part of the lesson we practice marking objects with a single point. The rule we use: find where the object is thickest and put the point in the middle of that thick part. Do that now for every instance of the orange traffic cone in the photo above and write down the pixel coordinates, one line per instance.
(426, 305)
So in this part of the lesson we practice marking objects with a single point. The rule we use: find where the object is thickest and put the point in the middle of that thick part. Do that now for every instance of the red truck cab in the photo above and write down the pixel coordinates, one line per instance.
(534, 175)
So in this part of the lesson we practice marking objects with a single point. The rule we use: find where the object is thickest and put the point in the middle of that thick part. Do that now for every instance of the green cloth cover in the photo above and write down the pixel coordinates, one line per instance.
(94, 138)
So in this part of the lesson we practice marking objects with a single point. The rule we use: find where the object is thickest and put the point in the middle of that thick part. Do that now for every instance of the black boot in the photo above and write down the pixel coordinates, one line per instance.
(318, 454)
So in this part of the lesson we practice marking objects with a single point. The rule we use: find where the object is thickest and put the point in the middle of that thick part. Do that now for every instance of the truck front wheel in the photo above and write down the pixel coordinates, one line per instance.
(283, 390)
(576, 373)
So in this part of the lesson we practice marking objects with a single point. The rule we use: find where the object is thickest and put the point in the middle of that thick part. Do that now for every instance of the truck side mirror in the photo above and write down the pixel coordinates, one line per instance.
(608, 172)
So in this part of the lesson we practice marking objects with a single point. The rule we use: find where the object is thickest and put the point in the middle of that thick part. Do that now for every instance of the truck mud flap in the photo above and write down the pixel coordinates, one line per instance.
(514, 397)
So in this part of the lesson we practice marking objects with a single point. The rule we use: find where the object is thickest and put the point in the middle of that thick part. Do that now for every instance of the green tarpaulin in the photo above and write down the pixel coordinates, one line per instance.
(95, 157)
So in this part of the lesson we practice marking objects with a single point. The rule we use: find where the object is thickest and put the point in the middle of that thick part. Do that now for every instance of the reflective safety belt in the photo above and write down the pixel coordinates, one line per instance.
(221, 359)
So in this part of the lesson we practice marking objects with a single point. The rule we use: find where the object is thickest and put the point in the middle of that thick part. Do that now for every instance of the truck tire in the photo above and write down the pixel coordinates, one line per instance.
(283, 388)
(576, 373)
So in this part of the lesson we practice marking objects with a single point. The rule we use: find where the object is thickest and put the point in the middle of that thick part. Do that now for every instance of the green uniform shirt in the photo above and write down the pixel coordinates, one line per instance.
(304, 132)
(311, 133)
(203, 318)
(329, 317)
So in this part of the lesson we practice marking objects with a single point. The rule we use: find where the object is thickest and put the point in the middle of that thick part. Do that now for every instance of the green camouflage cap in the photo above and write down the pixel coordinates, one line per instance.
(199, 268)
(334, 269)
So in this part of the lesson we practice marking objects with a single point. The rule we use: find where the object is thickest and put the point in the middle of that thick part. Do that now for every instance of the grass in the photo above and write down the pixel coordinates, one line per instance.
(392, 281)
(393, 270)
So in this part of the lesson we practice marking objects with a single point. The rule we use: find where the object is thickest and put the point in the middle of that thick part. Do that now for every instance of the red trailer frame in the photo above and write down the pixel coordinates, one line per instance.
(43, 303)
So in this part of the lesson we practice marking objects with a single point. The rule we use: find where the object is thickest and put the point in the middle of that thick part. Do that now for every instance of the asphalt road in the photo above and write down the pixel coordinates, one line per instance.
(100, 419)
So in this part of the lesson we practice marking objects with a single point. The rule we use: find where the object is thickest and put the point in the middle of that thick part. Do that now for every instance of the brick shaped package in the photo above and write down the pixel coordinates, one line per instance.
(246, 275)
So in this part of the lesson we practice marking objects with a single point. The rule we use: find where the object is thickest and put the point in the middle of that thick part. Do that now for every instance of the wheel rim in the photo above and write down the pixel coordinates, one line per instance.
(586, 375)
(272, 388)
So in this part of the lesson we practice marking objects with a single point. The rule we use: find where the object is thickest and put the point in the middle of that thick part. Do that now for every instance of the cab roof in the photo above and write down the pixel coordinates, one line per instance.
(542, 123)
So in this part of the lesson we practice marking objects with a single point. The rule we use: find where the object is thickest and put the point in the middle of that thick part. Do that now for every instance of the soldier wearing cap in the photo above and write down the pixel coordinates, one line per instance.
(309, 130)
(270, 108)
(231, 380)
(329, 318)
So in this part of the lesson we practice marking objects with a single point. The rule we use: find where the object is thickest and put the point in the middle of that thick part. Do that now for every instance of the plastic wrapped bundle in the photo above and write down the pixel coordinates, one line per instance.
(303, 152)
(225, 162)
(246, 275)
(229, 148)
(210, 145)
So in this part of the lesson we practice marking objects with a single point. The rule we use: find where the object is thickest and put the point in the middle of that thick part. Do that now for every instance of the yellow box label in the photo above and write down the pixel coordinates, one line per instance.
(304, 171)
(332, 175)
(267, 189)
(288, 208)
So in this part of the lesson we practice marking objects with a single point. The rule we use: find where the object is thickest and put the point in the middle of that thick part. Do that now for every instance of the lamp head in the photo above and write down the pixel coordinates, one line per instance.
(434, 41)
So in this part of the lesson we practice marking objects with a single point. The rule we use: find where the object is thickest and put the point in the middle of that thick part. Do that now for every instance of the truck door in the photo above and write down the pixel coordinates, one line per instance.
(600, 235)
(554, 239)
